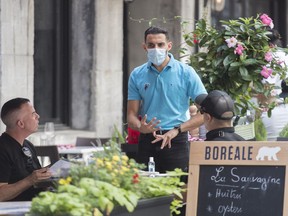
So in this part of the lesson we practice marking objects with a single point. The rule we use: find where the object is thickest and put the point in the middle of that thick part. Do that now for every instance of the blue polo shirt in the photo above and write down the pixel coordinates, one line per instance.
(165, 95)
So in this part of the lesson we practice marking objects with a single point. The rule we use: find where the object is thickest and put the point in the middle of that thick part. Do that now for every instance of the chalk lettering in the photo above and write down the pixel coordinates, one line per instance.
(223, 209)
(263, 181)
(235, 178)
(217, 178)
(229, 193)
(275, 181)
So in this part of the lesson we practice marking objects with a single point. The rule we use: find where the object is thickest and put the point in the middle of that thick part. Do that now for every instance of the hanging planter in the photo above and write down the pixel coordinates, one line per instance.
(237, 59)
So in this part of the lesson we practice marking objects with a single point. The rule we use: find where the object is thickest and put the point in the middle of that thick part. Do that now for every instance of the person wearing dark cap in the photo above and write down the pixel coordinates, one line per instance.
(218, 111)
(284, 90)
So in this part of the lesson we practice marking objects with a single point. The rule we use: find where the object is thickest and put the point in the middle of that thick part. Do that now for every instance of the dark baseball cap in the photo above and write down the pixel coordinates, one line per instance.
(219, 105)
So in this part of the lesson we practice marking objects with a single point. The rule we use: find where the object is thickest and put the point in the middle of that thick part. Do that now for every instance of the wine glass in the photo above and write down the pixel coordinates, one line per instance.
(49, 129)
(49, 132)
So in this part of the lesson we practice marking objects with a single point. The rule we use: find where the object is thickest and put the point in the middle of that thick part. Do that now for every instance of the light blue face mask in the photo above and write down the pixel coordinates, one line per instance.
(156, 56)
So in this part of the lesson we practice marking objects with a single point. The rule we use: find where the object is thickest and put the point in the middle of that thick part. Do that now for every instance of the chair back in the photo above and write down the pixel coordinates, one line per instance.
(48, 151)
(88, 141)
(105, 140)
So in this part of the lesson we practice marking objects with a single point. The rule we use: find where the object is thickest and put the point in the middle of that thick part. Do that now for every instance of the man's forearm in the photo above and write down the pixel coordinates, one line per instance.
(134, 123)
(192, 123)
(10, 191)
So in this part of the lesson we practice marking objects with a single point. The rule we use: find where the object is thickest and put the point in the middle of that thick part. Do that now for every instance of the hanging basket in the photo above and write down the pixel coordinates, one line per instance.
(247, 131)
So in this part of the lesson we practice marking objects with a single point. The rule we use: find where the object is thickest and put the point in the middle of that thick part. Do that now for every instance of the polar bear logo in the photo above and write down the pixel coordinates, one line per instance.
(269, 152)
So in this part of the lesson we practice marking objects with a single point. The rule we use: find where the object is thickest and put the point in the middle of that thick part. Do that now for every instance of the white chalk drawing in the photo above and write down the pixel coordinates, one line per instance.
(269, 152)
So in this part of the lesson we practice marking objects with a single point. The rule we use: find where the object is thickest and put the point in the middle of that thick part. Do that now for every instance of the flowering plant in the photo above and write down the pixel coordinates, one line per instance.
(237, 58)
(111, 179)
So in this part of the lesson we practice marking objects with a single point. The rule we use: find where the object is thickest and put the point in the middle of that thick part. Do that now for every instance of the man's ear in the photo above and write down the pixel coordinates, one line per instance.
(144, 46)
(20, 124)
(209, 117)
(170, 45)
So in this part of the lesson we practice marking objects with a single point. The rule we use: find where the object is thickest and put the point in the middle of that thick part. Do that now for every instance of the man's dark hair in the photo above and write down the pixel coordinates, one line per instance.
(155, 30)
(11, 106)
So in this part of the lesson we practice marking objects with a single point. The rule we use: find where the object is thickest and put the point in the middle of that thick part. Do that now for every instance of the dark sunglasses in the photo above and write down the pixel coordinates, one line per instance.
(29, 164)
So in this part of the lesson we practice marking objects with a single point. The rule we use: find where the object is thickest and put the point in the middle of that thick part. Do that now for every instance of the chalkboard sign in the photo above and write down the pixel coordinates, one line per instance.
(237, 178)
(241, 190)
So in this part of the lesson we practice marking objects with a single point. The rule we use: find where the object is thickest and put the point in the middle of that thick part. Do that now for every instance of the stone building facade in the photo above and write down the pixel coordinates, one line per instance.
(96, 57)
(104, 45)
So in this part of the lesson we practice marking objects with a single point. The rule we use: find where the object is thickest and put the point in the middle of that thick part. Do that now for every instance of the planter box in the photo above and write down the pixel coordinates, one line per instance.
(282, 138)
(147, 207)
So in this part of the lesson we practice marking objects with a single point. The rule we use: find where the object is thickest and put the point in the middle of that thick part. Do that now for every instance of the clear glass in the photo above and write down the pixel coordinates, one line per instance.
(49, 129)
(49, 134)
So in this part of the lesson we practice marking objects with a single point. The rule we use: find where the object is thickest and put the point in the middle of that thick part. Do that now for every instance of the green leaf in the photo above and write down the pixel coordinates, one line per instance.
(249, 62)
(227, 61)
(236, 64)
(243, 28)
(217, 62)
(244, 73)
(258, 86)
(105, 204)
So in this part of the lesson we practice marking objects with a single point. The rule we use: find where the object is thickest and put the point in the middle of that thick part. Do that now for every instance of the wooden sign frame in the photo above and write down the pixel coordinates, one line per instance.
(250, 153)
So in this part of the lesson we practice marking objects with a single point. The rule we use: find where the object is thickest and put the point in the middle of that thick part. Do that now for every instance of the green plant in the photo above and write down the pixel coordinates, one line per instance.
(236, 58)
(284, 131)
(117, 136)
(260, 130)
(111, 179)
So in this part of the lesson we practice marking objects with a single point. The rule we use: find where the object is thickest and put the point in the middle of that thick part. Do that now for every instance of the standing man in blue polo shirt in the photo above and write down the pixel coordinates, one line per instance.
(159, 91)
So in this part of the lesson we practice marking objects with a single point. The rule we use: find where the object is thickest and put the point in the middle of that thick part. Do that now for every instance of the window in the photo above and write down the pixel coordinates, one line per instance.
(51, 61)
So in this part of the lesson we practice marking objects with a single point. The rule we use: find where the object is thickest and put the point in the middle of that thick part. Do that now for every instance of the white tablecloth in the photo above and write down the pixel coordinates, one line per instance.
(14, 208)
(83, 151)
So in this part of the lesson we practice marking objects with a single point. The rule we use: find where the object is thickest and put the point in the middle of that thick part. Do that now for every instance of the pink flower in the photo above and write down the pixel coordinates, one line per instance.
(239, 49)
(231, 42)
(266, 72)
(268, 56)
(266, 20)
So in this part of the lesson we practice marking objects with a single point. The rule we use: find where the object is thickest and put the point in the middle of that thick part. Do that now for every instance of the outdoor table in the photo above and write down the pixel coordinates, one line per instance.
(14, 208)
(79, 152)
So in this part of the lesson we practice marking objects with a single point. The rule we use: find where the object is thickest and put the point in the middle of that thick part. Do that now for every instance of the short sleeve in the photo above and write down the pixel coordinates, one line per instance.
(194, 83)
(133, 90)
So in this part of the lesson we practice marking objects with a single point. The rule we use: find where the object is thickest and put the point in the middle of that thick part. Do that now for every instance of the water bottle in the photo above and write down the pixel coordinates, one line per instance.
(151, 165)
